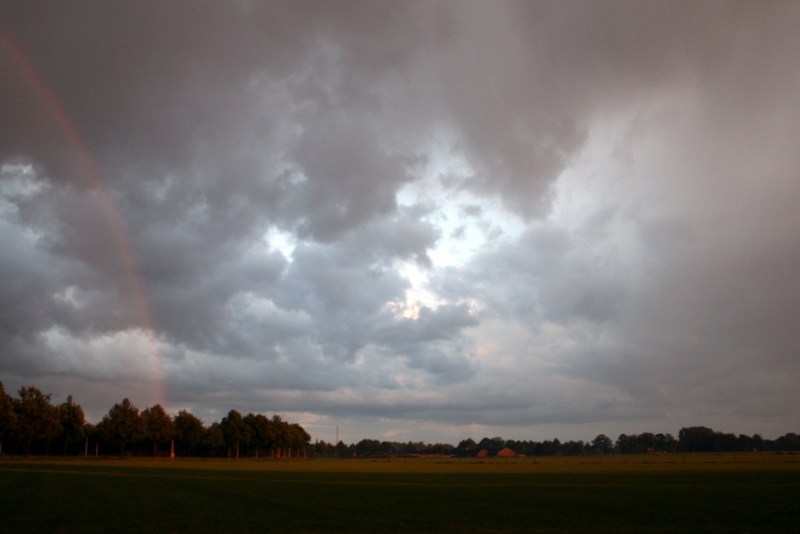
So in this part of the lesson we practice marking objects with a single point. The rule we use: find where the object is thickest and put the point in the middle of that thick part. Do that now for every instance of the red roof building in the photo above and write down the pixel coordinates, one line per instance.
(505, 452)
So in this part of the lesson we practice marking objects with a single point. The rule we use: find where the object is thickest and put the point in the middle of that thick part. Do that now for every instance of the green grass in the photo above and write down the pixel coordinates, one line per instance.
(696, 493)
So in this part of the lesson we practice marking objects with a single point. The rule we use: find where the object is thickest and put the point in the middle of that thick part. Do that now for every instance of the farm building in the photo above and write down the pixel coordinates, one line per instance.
(503, 452)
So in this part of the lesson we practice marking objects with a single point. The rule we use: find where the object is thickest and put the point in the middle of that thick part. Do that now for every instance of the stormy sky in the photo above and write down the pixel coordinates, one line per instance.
(415, 220)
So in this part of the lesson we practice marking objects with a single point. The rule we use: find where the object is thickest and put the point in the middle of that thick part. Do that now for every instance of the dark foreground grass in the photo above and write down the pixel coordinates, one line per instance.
(185, 497)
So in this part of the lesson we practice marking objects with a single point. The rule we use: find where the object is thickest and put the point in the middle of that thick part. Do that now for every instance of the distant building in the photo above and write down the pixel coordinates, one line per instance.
(503, 452)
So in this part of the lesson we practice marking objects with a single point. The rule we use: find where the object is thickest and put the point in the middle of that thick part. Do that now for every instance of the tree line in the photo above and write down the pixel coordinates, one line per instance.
(31, 424)
(690, 439)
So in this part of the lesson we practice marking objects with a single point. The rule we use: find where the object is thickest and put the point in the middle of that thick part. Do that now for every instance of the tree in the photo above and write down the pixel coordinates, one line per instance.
(646, 441)
(298, 437)
(467, 444)
(189, 432)
(788, 442)
(342, 450)
(665, 442)
(158, 426)
(290, 437)
(8, 419)
(323, 448)
(282, 436)
(368, 447)
(123, 424)
(696, 439)
(235, 430)
(624, 444)
(602, 444)
(573, 448)
(72, 422)
(213, 439)
(262, 432)
(36, 417)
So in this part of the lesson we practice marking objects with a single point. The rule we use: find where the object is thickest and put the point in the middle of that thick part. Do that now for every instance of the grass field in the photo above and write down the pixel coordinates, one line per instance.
(670, 493)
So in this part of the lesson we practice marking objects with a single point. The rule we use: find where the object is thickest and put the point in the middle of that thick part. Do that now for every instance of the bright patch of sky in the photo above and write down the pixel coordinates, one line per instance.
(597, 198)
(281, 241)
(467, 221)
(107, 354)
(593, 177)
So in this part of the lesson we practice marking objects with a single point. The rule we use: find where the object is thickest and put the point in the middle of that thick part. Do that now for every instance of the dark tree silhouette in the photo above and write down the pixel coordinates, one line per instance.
(602, 444)
(123, 424)
(158, 426)
(72, 422)
(235, 430)
(189, 432)
(213, 439)
(262, 431)
(8, 419)
(36, 417)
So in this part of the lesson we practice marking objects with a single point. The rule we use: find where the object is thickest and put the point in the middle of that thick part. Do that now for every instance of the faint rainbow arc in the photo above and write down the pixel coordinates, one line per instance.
(54, 109)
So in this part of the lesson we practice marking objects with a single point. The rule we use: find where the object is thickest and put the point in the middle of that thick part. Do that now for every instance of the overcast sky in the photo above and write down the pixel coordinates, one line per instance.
(417, 221)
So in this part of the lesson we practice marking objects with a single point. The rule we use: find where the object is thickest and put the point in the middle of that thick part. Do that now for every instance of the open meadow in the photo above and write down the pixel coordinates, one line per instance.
(753, 492)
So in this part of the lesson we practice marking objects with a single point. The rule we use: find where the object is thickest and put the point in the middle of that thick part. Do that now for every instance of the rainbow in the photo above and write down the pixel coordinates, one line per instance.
(53, 108)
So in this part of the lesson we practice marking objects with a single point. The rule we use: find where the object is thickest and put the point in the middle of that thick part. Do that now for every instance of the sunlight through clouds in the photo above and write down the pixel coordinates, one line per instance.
(281, 241)
(467, 221)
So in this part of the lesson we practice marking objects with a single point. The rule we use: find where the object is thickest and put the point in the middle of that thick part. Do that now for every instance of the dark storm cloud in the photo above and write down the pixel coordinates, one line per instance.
(347, 179)
(162, 87)
(257, 156)
(27, 304)
(141, 83)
